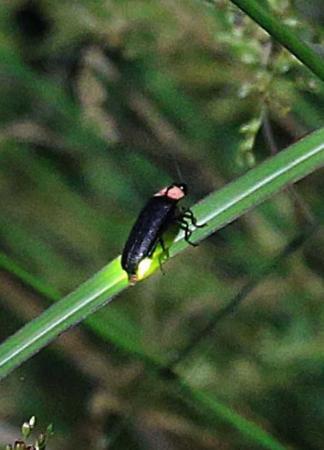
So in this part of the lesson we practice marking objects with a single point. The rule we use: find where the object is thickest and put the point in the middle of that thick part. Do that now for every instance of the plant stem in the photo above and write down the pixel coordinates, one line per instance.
(283, 35)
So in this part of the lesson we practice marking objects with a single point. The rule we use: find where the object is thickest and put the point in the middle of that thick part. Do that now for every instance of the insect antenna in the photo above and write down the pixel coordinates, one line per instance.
(177, 167)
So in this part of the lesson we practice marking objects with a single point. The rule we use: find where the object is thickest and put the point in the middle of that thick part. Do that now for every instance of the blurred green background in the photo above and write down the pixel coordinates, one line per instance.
(98, 99)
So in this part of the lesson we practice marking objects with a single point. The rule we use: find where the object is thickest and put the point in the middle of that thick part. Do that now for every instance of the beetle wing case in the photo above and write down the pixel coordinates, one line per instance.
(154, 219)
(150, 225)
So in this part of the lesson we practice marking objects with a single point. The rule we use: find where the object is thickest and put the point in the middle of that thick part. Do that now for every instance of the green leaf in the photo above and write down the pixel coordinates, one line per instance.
(93, 294)
(216, 210)
(258, 184)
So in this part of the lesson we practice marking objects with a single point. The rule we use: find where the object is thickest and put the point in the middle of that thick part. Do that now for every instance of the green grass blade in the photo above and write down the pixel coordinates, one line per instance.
(284, 35)
(91, 295)
(217, 209)
(35, 283)
(258, 184)
(108, 328)
(218, 411)
(111, 326)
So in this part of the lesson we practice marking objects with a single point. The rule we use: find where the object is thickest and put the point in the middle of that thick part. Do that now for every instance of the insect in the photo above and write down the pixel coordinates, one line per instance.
(158, 214)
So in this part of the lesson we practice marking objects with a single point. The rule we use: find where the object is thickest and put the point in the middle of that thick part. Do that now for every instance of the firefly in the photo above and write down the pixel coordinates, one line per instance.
(159, 213)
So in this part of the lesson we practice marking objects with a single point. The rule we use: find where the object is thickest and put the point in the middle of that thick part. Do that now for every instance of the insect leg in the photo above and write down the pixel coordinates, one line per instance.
(185, 227)
(165, 253)
(160, 265)
(162, 244)
(188, 214)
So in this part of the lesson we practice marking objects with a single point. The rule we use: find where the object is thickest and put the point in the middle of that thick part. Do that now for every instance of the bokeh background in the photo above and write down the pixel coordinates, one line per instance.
(99, 103)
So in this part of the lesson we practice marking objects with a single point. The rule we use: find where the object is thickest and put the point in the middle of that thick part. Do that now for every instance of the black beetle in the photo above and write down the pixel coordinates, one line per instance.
(157, 215)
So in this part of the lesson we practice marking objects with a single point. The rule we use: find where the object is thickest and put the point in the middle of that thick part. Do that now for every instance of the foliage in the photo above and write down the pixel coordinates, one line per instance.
(97, 101)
